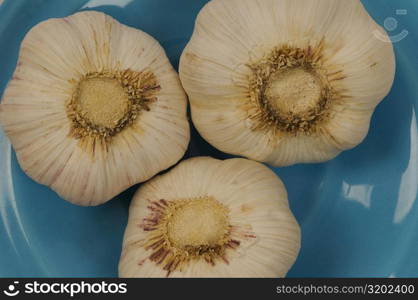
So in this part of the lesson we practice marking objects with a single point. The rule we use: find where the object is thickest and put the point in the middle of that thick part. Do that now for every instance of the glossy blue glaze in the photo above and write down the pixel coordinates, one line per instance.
(358, 213)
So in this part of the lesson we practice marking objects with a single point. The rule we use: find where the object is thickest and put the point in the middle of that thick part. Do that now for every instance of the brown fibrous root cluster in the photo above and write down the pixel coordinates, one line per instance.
(168, 255)
(267, 117)
(140, 89)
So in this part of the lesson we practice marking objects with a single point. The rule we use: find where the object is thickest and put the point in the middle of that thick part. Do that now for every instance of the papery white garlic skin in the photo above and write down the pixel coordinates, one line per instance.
(186, 207)
(344, 50)
(110, 66)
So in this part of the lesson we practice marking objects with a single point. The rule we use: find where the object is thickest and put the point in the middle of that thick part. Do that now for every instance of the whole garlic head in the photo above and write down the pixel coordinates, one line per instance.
(93, 107)
(211, 218)
(285, 81)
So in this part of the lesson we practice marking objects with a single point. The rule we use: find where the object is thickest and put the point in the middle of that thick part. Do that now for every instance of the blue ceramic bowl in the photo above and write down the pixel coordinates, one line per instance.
(358, 212)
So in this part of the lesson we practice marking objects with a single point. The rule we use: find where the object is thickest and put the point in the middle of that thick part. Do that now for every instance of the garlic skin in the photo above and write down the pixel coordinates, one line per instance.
(210, 218)
(284, 81)
(93, 107)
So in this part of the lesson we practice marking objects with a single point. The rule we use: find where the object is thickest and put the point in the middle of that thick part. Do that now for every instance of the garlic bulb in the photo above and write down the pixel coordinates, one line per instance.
(211, 218)
(285, 81)
(93, 107)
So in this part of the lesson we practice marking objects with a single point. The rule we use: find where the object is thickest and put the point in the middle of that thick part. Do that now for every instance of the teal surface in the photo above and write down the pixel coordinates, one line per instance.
(358, 213)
